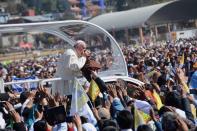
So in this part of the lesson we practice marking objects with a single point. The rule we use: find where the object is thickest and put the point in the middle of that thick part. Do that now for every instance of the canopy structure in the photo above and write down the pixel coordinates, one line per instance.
(150, 15)
(72, 30)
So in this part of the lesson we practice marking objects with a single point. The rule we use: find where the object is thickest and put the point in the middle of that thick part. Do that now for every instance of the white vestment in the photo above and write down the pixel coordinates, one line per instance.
(68, 68)
(2, 78)
(2, 85)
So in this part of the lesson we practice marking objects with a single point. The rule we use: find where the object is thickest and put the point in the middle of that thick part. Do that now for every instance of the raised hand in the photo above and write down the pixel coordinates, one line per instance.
(8, 106)
(180, 74)
(43, 90)
(15, 115)
(121, 83)
(112, 90)
(95, 112)
(63, 101)
(52, 102)
(94, 74)
(152, 114)
(57, 97)
(119, 93)
(77, 121)
(124, 92)
(182, 126)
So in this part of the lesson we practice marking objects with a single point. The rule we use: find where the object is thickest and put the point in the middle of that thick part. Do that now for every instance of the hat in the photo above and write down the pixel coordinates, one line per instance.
(104, 113)
(92, 64)
(89, 66)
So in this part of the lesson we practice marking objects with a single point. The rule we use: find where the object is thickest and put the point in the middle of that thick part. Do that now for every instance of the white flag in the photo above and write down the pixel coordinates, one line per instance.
(79, 98)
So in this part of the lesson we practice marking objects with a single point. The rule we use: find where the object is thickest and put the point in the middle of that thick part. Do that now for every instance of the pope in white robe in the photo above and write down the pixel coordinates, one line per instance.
(68, 68)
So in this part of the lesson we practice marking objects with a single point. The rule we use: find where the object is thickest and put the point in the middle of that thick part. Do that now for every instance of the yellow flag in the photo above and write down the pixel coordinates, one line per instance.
(182, 59)
(157, 100)
(94, 90)
(182, 80)
(138, 119)
(145, 116)
(150, 74)
(193, 109)
(185, 87)
(79, 98)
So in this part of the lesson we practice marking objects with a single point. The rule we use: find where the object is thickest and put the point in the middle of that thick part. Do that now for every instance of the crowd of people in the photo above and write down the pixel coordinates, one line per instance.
(166, 102)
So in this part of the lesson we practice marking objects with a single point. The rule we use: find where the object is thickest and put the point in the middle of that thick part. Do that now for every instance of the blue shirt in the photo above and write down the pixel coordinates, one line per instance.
(193, 81)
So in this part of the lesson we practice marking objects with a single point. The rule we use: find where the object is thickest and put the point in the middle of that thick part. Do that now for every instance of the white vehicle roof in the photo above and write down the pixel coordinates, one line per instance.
(125, 78)
(108, 79)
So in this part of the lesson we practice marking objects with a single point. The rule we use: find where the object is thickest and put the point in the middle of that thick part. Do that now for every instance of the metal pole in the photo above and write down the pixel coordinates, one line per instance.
(30, 81)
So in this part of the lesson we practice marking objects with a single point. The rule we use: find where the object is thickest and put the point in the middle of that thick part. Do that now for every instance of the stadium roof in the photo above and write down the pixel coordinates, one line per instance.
(150, 15)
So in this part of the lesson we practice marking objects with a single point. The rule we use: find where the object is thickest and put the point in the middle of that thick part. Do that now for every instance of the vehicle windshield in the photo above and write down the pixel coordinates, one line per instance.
(41, 39)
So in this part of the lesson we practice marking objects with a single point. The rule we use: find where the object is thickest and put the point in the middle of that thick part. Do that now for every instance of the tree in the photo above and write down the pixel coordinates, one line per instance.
(22, 8)
(12, 8)
(53, 5)
(121, 5)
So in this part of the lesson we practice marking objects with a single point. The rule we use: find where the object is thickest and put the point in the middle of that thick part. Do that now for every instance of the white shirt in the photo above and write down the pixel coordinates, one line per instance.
(89, 127)
(61, 127)
(69, 65)
(2, 121)
(2, 78)
(68, 68)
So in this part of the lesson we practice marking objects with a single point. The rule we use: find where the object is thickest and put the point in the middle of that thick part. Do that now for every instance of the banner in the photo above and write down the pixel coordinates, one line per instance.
(24, 86)
(157, 100)
(94, 90)
(79, 98)
(138, 118)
